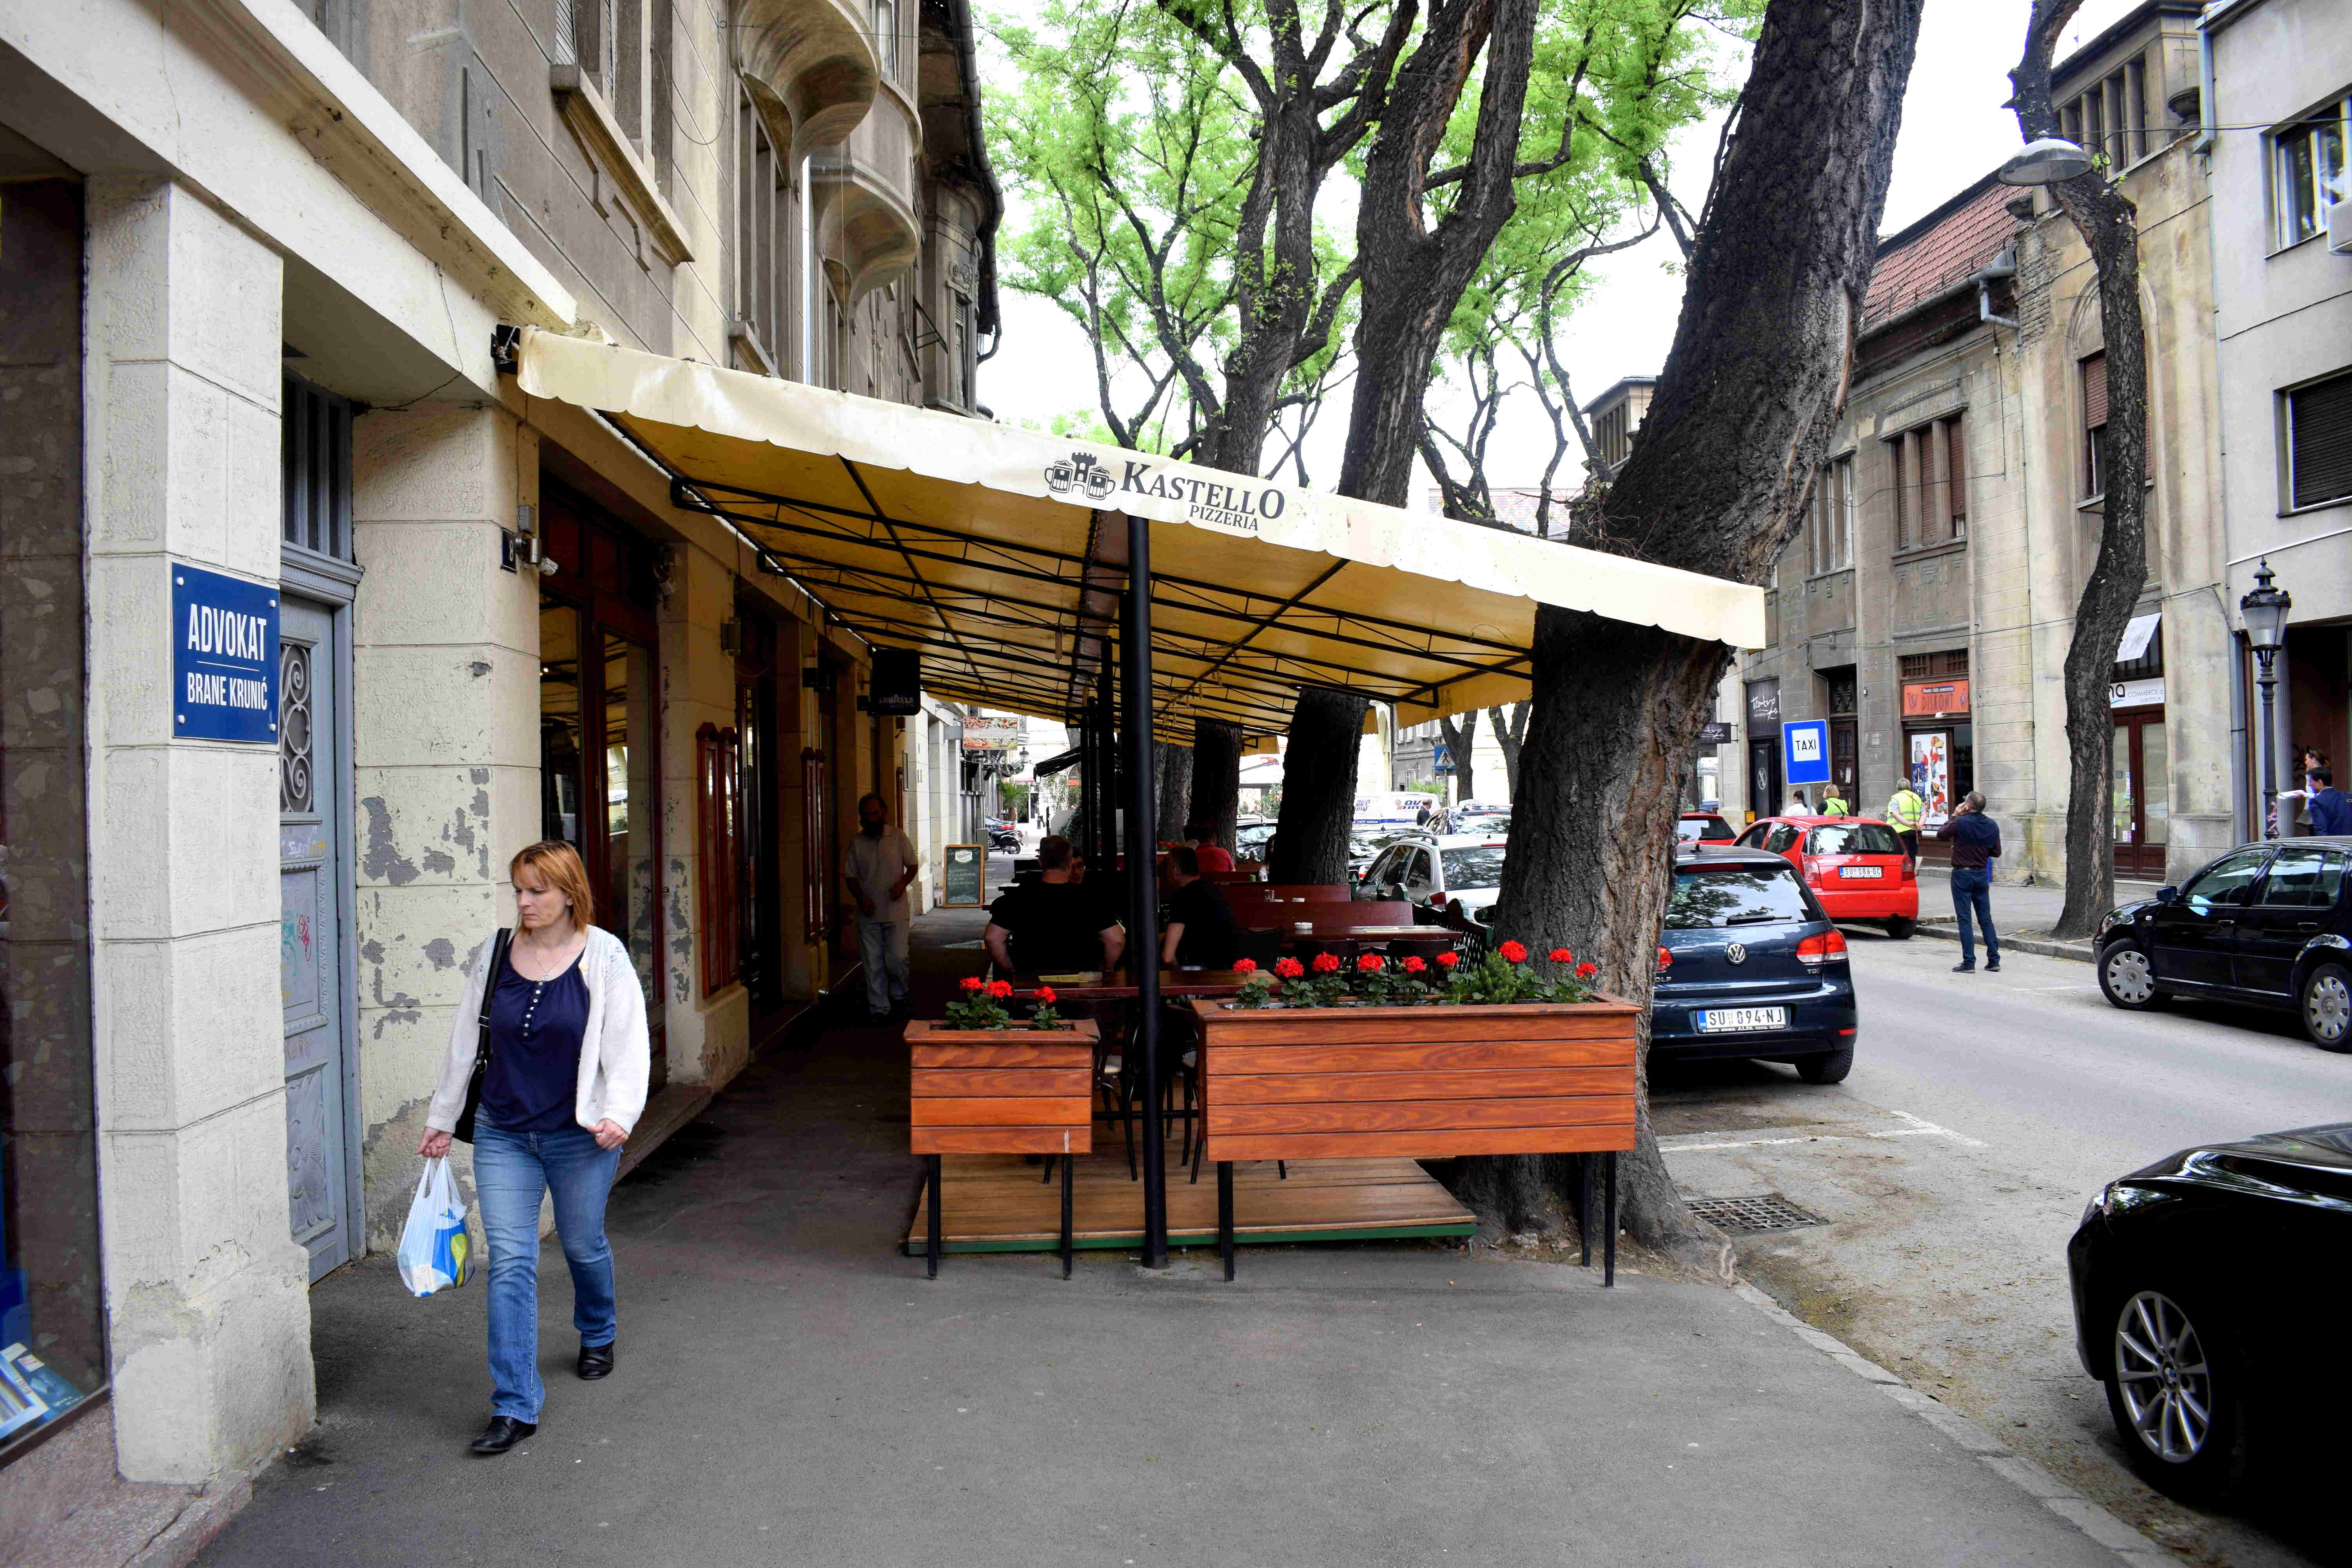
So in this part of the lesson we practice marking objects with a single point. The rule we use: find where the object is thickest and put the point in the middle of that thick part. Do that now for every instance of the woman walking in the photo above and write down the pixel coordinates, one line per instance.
(569, 1059)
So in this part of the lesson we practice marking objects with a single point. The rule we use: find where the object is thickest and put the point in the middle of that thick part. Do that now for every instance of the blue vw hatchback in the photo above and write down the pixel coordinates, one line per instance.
(1750, 966)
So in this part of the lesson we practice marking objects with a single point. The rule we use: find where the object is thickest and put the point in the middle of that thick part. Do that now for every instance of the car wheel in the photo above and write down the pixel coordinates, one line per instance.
(1900, 927)
(1830, 1069)
(2172, 1392)
(2127, 979)
(2327, 1007)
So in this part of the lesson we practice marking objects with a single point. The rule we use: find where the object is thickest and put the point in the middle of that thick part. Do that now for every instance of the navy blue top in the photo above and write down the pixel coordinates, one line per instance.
(2331, 811)
(536, 1027)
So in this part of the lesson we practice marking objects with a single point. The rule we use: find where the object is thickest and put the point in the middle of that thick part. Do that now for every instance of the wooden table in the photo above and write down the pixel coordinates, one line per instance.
(1116, 986)
(1334, 930)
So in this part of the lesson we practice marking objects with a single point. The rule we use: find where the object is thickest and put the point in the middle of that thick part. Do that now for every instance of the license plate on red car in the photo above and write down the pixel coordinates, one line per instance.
(1872, 872)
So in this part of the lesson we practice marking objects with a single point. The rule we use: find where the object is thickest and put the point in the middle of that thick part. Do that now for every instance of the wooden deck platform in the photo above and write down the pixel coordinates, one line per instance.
(999, 1203)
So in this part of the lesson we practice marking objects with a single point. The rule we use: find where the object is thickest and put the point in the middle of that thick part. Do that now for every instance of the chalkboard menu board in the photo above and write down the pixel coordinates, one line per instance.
(965, 882)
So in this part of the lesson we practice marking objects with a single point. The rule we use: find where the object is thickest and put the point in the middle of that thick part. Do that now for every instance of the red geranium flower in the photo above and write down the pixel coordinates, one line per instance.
(999, 989)
(971, 983)
(1515, 953)
(1244, 967)
(1415, 964)
(1561, 955)
(1044, 996)
(1326, 964)
(1370, 963)
(1291, 969)
(1448, 960)
(1587, 971)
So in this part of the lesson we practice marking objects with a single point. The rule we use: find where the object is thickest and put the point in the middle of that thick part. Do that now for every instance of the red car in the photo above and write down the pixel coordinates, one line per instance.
(1702, 827)
(1854, 865)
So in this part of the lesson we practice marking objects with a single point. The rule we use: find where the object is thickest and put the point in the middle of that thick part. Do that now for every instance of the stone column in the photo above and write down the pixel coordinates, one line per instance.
(445, 740)
(207, 1293)
(708, 1037)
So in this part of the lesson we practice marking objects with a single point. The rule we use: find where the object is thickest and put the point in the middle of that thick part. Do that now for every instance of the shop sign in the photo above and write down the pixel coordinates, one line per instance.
(1763, 704)
(1805, 751)
(2148, 693)
(224, 658)
(1934, 699)
(1715, 732)
(995, 732)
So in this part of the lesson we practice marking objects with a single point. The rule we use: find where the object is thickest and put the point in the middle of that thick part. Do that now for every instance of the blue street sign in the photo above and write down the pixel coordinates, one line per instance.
(1444, 757)
(1805, 751)
(224, 658)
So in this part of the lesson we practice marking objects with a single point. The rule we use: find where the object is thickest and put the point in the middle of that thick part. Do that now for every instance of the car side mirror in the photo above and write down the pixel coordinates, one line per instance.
(2168, 895)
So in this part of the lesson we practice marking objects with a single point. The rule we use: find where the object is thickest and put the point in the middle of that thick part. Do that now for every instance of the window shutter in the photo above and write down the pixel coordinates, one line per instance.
(1958, 490)
(2320, 422)
(2095, 391)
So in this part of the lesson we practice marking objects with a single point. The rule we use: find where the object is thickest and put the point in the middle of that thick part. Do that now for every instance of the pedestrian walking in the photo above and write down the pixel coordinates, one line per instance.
(878, 868)
(569, 1058)
(1797, 806)
(1904, 811)
(1976, 844)
(2330, 808)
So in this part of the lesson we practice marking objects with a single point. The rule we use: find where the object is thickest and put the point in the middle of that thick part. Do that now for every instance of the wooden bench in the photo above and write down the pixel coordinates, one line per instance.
(1000, 1092)
(1424, 1082)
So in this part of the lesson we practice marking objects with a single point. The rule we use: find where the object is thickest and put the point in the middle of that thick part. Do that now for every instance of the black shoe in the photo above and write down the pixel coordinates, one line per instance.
(1964, 969)
(1993, 968)
(503, 1433)
(596, 1360)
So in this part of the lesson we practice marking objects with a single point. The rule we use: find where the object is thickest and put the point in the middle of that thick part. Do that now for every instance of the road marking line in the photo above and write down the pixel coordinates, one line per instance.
(1919, 1128)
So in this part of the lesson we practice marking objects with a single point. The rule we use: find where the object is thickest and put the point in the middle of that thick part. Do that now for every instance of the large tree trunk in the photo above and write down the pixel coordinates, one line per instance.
(1510, 734)
(1319, 787)
(1216, 779)
(1460, 740)
(1718, 483)
(1175, 797)
(1413, 276)
(2109, 225)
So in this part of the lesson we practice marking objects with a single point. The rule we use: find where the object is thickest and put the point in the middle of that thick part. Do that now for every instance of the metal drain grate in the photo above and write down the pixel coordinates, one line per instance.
(1751, 1217)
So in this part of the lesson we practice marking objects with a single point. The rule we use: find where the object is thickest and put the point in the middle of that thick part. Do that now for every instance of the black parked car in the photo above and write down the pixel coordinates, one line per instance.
(2209, 1293)
(1750, 966)
(2267, 923)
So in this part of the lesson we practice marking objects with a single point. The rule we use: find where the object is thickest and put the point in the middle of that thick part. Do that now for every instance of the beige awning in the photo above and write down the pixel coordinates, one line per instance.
(986, 547)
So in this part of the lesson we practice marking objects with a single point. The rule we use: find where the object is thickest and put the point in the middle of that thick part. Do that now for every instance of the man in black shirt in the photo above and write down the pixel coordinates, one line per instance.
(1201, 932)
(1054, 925)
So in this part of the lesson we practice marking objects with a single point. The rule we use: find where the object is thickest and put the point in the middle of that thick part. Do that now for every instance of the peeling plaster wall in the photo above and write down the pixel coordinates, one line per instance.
(710, 1036)
(206, 1291)
(445, 740)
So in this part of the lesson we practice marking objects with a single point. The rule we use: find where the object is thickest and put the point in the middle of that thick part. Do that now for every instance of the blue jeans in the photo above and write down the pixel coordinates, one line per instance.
(882, 948)
(1972, 892)
(510, 1171)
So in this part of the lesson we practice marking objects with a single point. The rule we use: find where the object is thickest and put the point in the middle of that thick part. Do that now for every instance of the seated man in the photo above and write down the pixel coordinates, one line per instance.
(1213, 857)
(1054, 925)
(1201, 930)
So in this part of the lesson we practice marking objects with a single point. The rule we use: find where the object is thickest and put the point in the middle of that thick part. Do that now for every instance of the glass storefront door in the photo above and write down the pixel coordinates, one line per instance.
(2142, 793)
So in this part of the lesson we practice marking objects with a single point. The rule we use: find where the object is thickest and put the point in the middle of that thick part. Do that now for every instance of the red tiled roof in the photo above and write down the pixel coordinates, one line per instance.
(1918, 266)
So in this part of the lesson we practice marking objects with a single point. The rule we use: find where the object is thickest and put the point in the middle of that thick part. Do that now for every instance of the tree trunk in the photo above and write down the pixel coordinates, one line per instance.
(1319, 787)
(2109, 225)
(1510, 736)
(1413, 275)
(1174, 766)
(1743, 414)
(1460, 741)
(1216, 790)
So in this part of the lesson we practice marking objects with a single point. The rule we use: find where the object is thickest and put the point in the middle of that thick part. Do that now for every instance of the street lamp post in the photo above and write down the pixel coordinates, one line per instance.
(2266, 611)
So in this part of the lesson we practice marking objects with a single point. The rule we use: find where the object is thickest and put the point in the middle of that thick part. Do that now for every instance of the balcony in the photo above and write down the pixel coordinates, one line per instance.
(867, 228)
(815, 58)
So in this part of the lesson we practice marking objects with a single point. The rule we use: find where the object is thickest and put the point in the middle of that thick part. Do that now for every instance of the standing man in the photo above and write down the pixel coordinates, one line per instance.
(878, 868)
(2330, 808)
(1976, 844)
(1904, 811)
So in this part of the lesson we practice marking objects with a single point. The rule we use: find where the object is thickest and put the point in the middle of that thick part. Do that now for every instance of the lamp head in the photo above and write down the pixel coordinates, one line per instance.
(2044, 163)
(2266, 611)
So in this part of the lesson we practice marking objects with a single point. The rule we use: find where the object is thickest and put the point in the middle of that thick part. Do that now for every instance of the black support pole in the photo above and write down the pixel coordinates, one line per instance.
(1142, 838)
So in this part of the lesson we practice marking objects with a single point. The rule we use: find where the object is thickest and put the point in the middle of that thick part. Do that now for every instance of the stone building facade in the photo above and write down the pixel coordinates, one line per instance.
(258, 253)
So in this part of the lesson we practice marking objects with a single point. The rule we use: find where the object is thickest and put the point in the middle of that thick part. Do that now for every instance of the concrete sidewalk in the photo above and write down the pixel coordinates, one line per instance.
(792, 1390)
(2022, 914)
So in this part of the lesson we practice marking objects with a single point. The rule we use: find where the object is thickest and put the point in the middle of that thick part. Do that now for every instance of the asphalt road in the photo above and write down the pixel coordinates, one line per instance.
(1950, 1168)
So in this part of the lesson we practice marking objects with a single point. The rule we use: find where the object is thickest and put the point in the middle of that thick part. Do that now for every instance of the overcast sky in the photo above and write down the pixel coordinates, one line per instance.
(1955, 128)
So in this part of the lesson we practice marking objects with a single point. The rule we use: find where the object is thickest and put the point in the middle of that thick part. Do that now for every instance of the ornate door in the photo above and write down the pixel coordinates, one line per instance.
(312, 833)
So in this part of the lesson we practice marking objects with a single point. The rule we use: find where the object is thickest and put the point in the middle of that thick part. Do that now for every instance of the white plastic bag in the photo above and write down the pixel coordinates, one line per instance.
(436, 1253)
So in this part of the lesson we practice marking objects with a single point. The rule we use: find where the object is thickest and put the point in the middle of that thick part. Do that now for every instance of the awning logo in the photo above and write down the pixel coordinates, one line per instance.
(1218, 504)
(1080, 471)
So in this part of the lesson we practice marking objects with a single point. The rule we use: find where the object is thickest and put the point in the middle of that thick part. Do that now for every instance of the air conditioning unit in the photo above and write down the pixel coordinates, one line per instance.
(2339, 228)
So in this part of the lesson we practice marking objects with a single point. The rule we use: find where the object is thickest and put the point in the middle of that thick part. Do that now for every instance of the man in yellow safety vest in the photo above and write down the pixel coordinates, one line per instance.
(1904, 811)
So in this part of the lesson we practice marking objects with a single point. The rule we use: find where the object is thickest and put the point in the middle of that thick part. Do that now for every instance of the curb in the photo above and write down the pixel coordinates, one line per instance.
(2078, 951)
(2128, 1544)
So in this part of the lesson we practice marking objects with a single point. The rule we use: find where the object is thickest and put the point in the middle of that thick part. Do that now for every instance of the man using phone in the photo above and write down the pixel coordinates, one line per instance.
(1976, 845)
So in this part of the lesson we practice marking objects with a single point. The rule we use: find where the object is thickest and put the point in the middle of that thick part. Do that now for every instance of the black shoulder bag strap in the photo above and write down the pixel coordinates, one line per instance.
(464, 1130)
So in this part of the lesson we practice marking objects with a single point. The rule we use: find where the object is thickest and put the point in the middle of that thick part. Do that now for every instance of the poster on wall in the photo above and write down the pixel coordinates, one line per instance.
(1931, 774)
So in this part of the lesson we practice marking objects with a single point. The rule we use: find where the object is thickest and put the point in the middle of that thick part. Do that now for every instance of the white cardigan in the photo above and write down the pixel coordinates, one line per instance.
(616, 1052)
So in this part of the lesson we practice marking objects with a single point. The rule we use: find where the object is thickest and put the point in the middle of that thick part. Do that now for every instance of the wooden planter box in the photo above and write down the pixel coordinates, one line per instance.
(1339, 1083)
(1000, 1092)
